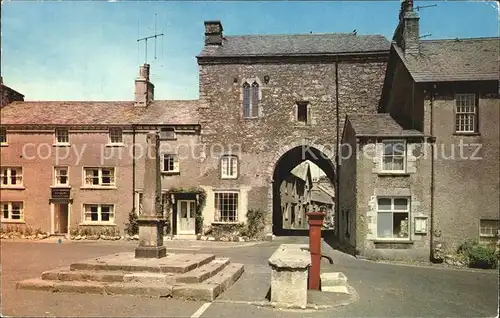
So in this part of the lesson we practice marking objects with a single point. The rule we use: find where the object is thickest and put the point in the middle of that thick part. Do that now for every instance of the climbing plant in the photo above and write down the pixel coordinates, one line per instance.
(200, 202)
(132, 227)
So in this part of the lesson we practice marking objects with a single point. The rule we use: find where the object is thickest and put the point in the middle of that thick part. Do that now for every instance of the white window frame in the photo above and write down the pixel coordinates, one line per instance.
(175, 163)
(393, 155)
(9, 218)
(391, 211)
(57, 176)
(113, 133)
(86, 210)
(111, 185)
(217, 211)
(56, 135)
(492, 236)
(3, 136)
(226, 161)
(465, 113)
(18, 176)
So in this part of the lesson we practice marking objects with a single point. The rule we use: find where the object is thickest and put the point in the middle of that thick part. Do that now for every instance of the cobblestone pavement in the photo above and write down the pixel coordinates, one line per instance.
(382, 290)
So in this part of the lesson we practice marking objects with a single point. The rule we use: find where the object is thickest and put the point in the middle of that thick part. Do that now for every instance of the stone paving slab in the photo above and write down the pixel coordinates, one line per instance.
(68, 275)
(172, 263)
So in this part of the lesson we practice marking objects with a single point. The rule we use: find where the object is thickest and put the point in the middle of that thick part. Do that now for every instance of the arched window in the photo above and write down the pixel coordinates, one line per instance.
(246, 99)
(255, 99)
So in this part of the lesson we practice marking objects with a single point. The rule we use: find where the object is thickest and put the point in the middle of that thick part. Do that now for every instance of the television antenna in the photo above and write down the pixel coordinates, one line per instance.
(145, 39)
(423, 7)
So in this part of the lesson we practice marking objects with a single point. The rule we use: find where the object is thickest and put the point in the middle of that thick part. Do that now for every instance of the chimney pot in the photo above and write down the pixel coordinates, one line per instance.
(213, 33)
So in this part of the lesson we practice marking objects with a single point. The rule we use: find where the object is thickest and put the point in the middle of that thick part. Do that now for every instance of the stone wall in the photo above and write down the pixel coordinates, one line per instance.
(261, 139)
(8, 95)
(371, 183)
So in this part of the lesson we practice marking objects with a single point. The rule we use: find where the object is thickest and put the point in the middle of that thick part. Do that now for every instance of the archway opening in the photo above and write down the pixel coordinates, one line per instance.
(303, 181)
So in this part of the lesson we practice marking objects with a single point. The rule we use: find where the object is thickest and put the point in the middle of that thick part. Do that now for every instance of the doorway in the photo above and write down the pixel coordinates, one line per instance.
(186, 214)
(61, 217)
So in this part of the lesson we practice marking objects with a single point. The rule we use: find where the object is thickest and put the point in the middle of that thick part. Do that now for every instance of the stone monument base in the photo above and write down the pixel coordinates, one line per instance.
(150, 252)
(150, 238)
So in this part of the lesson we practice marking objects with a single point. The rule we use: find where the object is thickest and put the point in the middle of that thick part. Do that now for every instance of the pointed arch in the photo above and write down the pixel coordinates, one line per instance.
(246, 99)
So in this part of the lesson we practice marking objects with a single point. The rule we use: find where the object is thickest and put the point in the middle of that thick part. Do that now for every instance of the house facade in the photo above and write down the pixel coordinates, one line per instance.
(295, 193)
(441, 102)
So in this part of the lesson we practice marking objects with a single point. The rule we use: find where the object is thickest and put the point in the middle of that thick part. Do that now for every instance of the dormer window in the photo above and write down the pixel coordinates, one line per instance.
(251, 97)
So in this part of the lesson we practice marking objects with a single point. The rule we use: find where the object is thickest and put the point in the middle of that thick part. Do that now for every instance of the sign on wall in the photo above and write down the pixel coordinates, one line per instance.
(60, 193)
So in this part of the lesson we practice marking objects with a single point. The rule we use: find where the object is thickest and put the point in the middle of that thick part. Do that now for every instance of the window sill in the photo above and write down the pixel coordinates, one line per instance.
(115, 145)
(13, 221)
(168, 139)
(393, 174)
(61, 145)
(170, 173)
(3, 187)
(64, 186)
(250, 118)
(222, 223)
(96, 224)
(4, 144)
(99, 188)
(392, 241)
(229, 178)
(466, 134)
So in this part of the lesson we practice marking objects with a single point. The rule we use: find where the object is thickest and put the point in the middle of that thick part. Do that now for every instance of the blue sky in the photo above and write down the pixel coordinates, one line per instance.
(81, 50)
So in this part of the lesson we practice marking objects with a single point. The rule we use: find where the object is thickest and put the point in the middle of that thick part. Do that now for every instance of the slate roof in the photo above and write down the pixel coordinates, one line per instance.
(296, 45)
(168, 112)
(454, 60)
(375, 125)
(319, 195)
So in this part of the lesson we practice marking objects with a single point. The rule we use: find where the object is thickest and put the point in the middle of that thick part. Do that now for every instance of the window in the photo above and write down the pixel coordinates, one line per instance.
(302, 112)
(251, 97)
(392, 218)
(229, 167)
(62, 136)
(170, 163)
(99, 213)
(226, 207)
(488, 231)
(12, 176)
(394, 156)
(104, 177)
(12, 211)
(61, 176)
(465, 121)
(167, 133)
(115, 135)
(3, 135)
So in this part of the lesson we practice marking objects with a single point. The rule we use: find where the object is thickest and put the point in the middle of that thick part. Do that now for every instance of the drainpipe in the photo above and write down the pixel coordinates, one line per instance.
(133, 167)
(432, 139)
(337, 166)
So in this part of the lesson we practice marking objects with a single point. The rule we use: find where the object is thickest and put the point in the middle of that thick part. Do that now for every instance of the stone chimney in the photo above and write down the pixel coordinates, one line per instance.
(213, 33)
(144, 89)
(407, 32)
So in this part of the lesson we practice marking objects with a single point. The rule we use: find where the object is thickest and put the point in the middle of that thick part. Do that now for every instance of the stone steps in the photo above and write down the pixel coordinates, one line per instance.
(189, 276)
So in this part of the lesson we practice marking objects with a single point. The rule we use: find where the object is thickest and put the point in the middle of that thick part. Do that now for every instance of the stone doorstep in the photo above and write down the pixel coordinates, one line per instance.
(204, 272)
(333, 279)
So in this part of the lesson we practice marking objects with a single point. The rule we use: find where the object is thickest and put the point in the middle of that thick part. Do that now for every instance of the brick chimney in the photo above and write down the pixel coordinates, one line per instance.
(213, 33)
(144, 89)
(407, 32)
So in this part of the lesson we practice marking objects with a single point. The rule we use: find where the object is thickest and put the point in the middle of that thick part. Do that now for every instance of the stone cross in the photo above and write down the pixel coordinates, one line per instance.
(151, 220)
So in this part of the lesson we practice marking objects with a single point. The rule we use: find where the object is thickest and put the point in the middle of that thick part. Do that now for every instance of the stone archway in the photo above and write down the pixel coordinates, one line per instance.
(284, 160)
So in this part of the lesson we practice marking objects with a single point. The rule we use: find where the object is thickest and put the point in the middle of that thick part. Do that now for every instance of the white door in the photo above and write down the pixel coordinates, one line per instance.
(186, 211)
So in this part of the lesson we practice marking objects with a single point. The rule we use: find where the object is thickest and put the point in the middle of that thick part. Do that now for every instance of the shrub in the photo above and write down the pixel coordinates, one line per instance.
(480, 256)
(255, 223)
(132, 227)
(28, 231)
